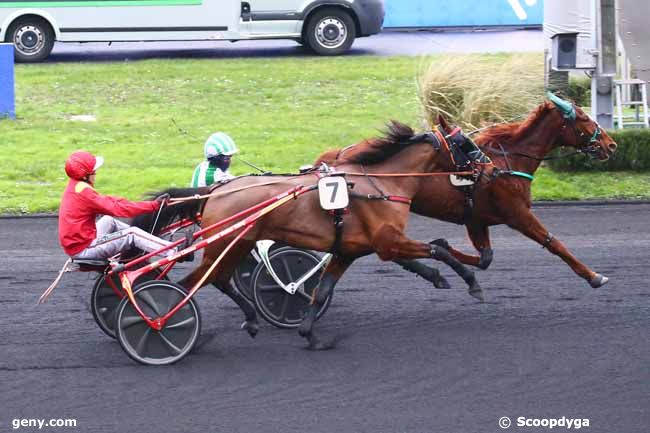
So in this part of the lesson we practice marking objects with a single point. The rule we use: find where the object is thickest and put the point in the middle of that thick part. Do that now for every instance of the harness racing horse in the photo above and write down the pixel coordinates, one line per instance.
(502, 196)
(372, 222)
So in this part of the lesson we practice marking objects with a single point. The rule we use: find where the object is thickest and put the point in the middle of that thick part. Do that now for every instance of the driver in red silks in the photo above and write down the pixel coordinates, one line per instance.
(85, 236)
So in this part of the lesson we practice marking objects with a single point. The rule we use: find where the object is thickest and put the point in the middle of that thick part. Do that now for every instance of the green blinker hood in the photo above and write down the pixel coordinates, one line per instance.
(565, 107)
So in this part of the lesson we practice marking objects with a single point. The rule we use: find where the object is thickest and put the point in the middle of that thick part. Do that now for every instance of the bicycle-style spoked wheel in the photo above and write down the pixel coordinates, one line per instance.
(276, 305)
(104, 301)
(170, 344)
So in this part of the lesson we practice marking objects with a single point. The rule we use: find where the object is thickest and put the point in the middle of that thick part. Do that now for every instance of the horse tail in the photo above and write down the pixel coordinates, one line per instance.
(168, 214)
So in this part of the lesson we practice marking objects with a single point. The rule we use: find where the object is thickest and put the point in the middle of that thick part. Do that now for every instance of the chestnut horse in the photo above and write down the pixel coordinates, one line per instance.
(373, 222)
(503, 196)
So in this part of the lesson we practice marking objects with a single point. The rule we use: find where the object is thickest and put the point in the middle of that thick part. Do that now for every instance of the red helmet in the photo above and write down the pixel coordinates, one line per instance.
(81, 164)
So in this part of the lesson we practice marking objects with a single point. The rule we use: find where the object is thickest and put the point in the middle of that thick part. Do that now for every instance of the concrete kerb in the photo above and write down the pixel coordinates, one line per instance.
(558, 203)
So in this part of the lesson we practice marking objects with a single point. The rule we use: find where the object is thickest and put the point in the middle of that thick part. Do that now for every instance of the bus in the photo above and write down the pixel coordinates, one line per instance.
(328, 27)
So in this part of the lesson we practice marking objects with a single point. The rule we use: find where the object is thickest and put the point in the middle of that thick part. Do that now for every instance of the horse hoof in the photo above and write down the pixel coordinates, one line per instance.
(598, 281)
(477, 292)
(316, 344)
(251, 326)
(304, 330)
(441, 243)
(486, 258)
(441, 283)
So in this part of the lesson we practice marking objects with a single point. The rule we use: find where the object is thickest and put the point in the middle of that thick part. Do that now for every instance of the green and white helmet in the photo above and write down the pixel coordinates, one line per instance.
(219, 143)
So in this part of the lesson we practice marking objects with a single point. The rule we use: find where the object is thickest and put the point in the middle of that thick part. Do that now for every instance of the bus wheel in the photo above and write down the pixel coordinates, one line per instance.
(33, 39)
(330, 31)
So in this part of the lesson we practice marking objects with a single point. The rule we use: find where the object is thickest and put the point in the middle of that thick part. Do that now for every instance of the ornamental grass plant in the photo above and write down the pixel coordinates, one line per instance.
(473, 91)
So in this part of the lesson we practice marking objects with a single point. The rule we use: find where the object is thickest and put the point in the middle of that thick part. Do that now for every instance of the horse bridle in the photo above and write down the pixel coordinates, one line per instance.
(591, 148)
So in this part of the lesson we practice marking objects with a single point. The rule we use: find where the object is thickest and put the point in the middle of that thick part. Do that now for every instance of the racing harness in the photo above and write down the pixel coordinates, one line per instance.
(434, 137)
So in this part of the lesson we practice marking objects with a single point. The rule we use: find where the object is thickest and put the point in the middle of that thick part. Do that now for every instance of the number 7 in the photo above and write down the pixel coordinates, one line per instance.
(335, 188)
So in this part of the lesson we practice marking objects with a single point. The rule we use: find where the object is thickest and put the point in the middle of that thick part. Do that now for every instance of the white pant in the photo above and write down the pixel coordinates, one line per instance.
(114, 236)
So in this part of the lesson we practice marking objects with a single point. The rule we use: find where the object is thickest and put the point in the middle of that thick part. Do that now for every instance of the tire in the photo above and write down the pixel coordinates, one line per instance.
(274, 304)
(330, 32)
(244, 273)
(104, 301)
(172, 343)
(33, 39)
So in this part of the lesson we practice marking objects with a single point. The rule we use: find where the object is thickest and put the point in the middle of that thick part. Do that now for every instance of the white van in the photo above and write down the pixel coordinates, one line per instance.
(327, 26)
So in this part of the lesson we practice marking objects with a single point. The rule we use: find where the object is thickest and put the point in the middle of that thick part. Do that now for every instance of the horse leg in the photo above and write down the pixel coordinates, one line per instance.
(480, 237)
(528, 224)
(191, 279)
(390, 244)
(250, 325)
(331, 275)
(479, 234)
(220, 278)
(474, 289)
(429, 273)
(222, 282)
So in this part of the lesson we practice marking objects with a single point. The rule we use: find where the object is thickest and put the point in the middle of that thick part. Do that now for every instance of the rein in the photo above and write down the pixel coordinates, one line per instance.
(495, 124)
(505, 153)
(177, 200)
(443, 173)
(220, 193)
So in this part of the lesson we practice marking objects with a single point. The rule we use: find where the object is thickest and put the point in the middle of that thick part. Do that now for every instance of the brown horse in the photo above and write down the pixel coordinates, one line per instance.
(375, 220)
(503, 196)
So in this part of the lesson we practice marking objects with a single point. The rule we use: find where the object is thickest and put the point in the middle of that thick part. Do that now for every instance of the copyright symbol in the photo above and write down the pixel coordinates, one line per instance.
(504, 422)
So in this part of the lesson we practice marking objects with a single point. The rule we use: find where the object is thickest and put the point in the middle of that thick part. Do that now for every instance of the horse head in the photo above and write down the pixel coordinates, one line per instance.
(574, 128)
(449, 130)
(580, 131)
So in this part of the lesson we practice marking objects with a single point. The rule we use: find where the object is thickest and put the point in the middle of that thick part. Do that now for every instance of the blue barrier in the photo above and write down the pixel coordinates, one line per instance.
(461, 13)
(7, 96)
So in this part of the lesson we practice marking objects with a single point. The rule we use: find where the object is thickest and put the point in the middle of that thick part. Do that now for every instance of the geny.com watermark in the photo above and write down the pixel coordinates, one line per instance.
(549, 423)
(40, 423)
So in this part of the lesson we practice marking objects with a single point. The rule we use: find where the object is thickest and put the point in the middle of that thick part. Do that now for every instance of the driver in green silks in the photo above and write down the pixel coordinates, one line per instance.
(218, 150)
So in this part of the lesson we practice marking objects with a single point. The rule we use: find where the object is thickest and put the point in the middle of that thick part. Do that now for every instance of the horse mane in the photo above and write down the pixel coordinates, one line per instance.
(329, 157)
(396, 138)
(509, 133)
(169, 214)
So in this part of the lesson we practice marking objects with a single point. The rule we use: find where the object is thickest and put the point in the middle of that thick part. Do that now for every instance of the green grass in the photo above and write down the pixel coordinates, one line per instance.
(550, 185)
(281, 112)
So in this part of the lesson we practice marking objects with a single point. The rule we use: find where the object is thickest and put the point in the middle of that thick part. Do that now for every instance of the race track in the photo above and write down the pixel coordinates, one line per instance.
(411, 360)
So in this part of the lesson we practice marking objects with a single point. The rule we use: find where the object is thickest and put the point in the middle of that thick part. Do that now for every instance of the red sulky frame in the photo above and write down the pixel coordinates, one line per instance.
(250, 217)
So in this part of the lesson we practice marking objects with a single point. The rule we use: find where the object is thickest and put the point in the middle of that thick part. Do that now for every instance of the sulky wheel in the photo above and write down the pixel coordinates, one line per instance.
(277, 306)
(148, 346)
(243, 274)
(104, 301)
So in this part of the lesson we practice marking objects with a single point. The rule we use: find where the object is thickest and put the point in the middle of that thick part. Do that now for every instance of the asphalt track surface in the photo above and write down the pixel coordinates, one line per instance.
(387, 43)
(411, 359)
